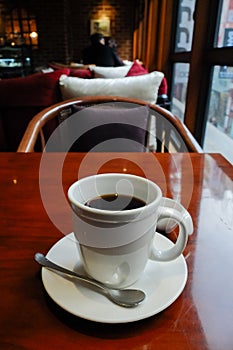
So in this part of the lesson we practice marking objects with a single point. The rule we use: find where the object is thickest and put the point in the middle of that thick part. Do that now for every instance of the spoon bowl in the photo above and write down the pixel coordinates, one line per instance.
(123, 297)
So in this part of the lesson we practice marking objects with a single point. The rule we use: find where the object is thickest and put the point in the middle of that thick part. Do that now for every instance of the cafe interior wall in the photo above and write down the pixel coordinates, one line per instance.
(64, 27)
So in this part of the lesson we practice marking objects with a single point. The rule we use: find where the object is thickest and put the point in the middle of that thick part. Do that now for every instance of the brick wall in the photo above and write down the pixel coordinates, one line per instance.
(64, 27)
(120, 13)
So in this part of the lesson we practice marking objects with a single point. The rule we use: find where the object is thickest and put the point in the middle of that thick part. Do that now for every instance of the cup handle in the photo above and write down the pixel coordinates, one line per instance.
(172, 213)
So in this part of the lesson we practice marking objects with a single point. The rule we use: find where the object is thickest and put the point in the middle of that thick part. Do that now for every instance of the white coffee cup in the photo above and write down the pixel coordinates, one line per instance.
(115, 246)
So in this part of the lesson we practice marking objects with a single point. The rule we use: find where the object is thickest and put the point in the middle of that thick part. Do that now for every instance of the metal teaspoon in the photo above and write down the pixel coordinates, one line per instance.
(122, 297)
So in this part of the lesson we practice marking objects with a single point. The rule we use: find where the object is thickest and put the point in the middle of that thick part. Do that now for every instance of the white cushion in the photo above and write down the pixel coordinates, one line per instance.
(110, 72)
(127, 62)
(143, 87)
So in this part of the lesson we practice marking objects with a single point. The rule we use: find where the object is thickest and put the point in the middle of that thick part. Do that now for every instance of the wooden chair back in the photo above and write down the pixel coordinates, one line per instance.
(147, 127)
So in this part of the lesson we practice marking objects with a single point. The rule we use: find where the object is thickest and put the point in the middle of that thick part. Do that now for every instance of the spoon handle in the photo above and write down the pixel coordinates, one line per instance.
(43, 261)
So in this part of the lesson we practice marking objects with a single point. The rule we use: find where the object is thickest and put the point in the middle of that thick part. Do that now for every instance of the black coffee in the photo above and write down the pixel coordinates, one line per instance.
(115, 202)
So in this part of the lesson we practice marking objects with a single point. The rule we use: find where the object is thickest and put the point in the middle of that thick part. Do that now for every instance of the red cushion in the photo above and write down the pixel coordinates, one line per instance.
(136, 69)
(34, 90)
(81, 73)
(163, 87)
(75, 72)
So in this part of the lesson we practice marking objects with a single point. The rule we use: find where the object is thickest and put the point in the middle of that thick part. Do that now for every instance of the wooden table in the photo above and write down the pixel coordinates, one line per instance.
(31, 221)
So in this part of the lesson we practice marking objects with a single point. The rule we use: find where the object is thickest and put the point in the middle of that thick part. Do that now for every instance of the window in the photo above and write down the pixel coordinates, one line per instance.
(179, 89)
(202, 84)
(185, 24)
(183, 43)
(224, 32)
(20, 28)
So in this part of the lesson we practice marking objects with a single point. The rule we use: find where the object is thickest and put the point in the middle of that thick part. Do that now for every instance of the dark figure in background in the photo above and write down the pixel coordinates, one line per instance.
(100, 54)
(112, 43)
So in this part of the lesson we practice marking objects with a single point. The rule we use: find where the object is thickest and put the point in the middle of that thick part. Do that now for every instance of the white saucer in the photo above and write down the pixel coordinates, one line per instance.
(162, 282)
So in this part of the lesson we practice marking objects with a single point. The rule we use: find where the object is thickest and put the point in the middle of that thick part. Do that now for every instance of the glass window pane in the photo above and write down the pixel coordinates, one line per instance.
(27, 39)
(33, 26)
(179, 89)
(185, 25)
(25, 26)
(225, 28)
(219, 128)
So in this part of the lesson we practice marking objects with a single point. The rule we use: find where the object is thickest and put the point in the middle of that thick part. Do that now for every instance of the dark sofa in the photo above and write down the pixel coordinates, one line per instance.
(22, 98)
